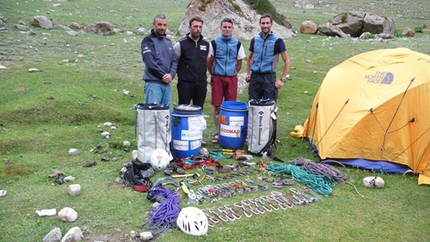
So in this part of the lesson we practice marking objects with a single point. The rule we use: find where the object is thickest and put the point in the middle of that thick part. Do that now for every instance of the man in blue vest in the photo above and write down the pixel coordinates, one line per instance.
(160, 63)
(224, 62)
(264, 51)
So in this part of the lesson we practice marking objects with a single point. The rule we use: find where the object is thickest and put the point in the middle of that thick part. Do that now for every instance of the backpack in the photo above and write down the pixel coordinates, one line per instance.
(262, 127)
(152, 130)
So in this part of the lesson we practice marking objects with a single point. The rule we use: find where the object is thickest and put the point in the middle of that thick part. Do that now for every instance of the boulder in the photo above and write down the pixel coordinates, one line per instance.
(308, 27)
(246, 20)
(354, 24)
(42, 22)
(408, 32)
(102, 28)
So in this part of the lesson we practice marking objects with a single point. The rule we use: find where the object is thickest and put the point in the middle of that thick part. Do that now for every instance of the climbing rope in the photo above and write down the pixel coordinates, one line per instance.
(318, 183)
(163, 216)
(321, 169)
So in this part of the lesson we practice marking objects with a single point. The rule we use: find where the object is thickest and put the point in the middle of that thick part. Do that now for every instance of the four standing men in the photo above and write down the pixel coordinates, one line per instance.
(222, 58)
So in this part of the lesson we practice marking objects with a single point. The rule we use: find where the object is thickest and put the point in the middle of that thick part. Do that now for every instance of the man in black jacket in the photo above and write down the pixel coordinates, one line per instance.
(160, 63)
(192, 52)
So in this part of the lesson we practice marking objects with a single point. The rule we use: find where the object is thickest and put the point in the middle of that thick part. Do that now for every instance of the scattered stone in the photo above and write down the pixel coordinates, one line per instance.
(119, 180)
(146, 236)
(62, 27)
(408, 32)
(34, 70)
(114, 159)
(3, 193)
(56, 173)
(56, 5)
(53, 236)
(109, 124)
(73, 151)
(75, 25)
(71, 32)
(74, 234)
(126, 143)
(68, 215)
(113, 128)
(105, 134)
(125, 92)
(8, 161)
(74, 190)
(93, 96)
(141, 31)
(21, 27)
(104, 159)
(89, 164)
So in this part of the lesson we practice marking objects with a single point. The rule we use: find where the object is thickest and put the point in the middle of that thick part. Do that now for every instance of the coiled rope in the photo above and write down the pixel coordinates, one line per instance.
(327, 170)
(163, 216)
(318, 183)
(321, 169)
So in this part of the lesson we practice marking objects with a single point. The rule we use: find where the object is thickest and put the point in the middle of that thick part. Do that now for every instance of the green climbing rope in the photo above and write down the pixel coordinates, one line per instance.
(318, 183)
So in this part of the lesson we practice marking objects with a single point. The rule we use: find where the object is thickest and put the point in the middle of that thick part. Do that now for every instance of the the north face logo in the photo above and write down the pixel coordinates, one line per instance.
(380, 77)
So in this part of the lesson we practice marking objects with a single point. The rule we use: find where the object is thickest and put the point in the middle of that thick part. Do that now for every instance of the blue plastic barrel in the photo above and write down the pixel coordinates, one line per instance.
(187, 130)
(233, 124)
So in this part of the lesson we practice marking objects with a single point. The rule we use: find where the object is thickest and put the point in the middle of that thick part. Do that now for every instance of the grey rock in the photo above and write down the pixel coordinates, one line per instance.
(53, 236)
(42, 22)
(74, 234)
(68, 215)
(74, 190)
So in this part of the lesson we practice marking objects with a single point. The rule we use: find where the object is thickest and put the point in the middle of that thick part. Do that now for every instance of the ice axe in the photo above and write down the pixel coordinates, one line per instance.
(195, 175)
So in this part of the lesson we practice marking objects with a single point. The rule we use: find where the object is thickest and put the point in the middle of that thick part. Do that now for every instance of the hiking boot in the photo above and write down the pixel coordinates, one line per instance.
(179, 169)
(169, 169)
(174, 168)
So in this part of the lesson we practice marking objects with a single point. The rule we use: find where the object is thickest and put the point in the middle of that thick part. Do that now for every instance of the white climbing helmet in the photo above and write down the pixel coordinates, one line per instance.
(159, 159)
(192, 221)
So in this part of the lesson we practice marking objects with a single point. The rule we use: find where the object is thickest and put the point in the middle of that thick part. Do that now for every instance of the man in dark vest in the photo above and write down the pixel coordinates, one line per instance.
(192, 52)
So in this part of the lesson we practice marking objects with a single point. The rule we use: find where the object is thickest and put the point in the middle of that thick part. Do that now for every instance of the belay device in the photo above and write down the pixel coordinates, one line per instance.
(262, 127)
(152, 130)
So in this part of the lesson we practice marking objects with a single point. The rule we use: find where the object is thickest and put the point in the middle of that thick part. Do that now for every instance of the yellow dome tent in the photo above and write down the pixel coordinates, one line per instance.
(372, 110)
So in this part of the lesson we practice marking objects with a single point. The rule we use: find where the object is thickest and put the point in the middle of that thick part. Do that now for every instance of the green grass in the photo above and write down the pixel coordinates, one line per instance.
(44, 114)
